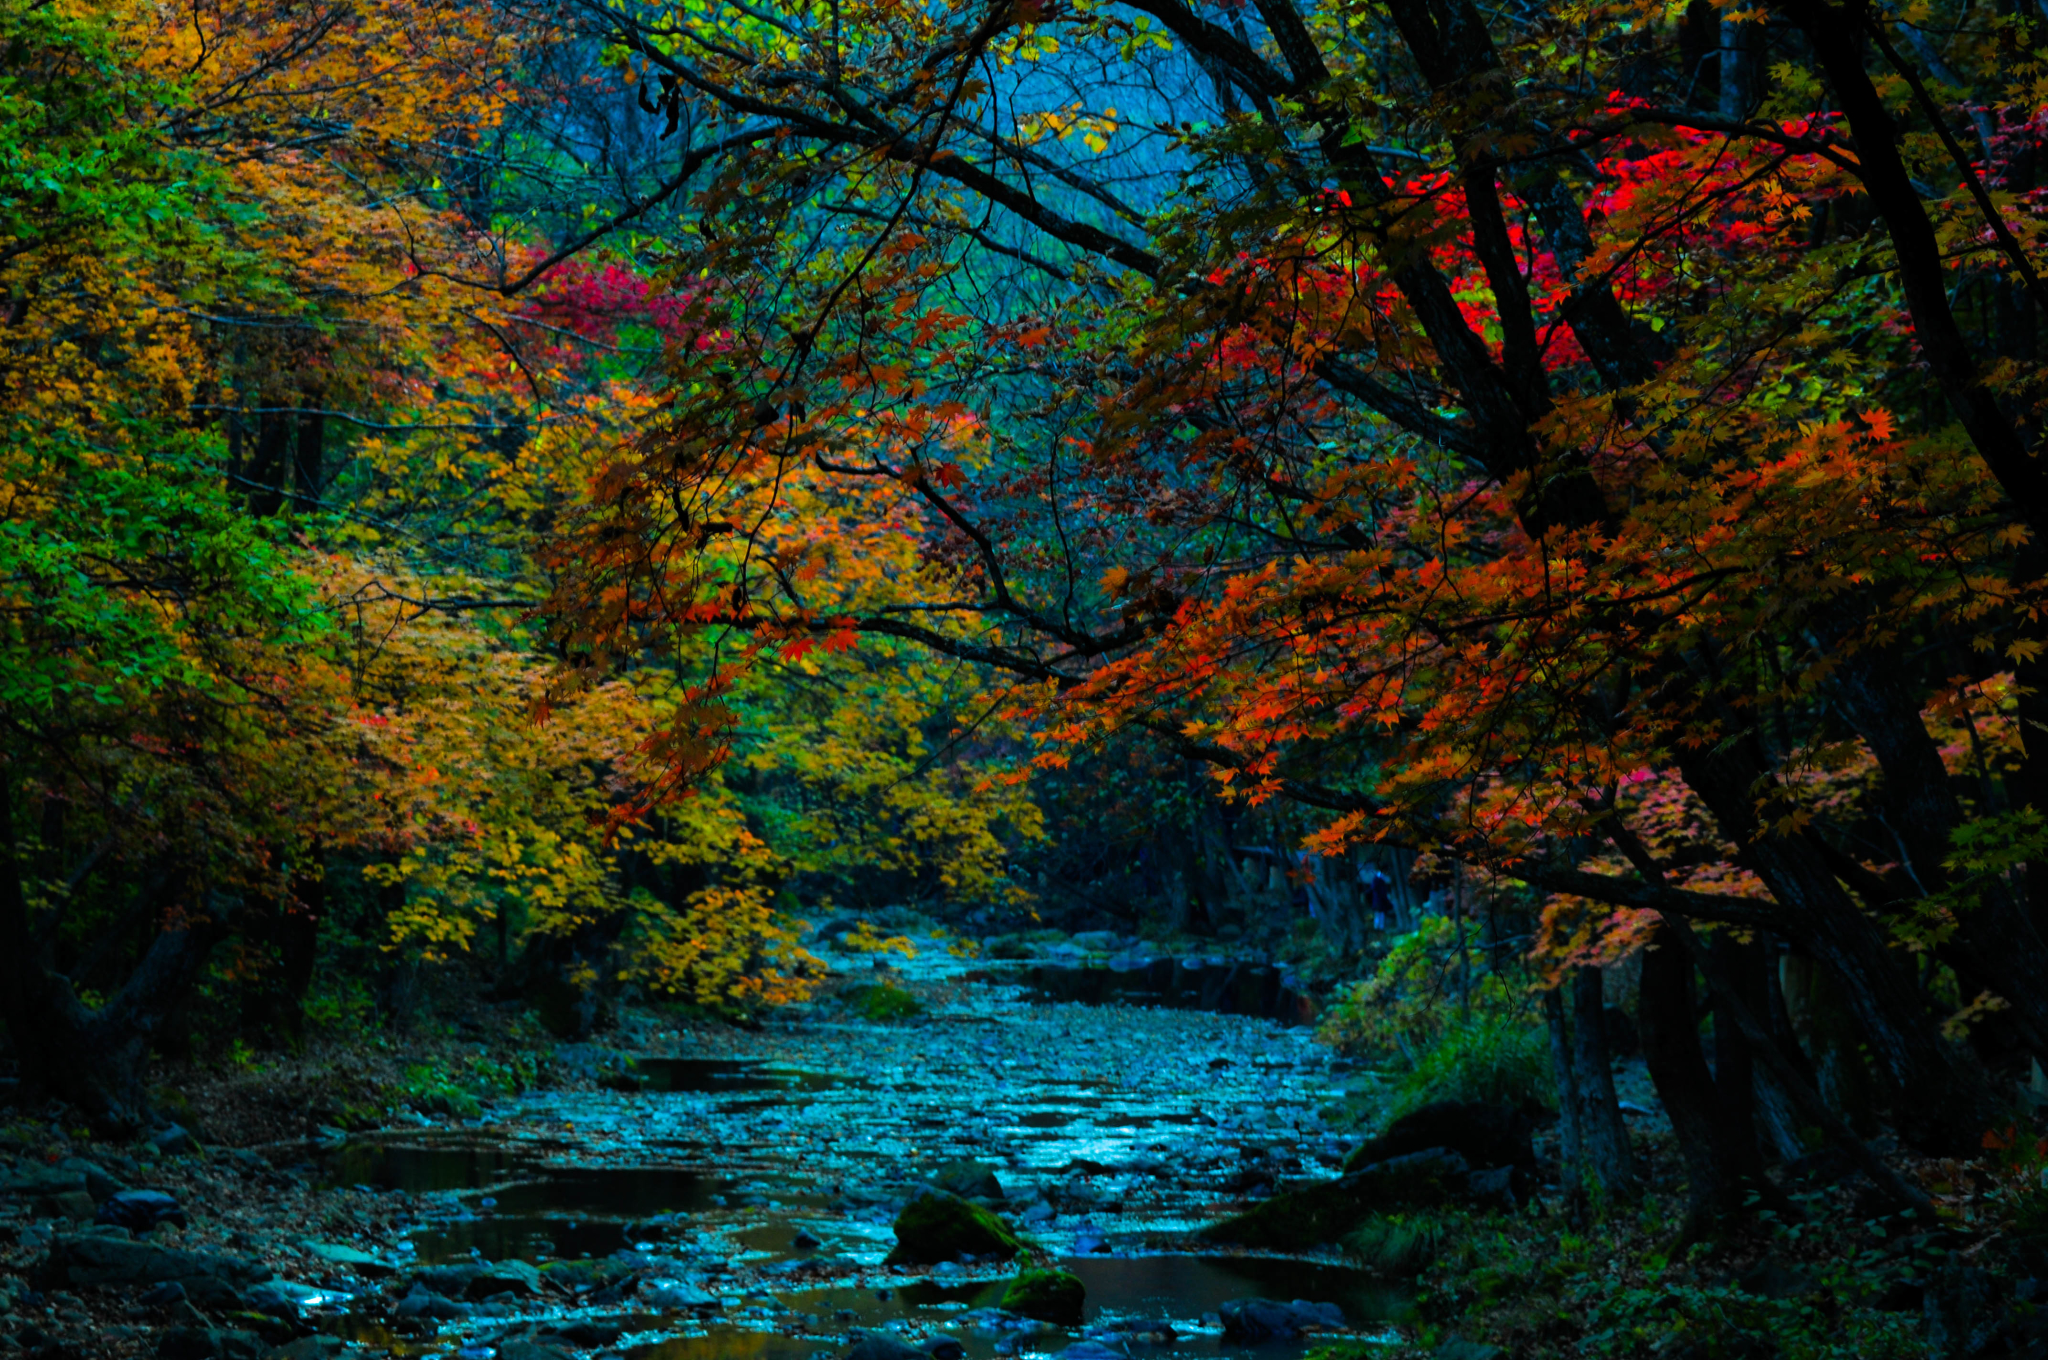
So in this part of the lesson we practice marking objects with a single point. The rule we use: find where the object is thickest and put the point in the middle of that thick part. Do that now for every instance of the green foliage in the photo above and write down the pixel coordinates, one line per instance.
(1499, 1059)
(340, 1004)
(429, 1090)
(883, 1002)
(1394, 1244)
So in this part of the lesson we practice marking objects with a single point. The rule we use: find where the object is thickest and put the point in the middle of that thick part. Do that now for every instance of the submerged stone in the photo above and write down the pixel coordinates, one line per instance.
(864, 1344)
(1325, 1210)
(1047, 1295)
(940, 1227)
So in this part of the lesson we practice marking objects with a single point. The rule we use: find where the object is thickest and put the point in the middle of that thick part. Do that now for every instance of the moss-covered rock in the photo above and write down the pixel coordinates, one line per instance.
(1047, 1295)
(968, 1179)
(1325, 1210)
(939, 1227)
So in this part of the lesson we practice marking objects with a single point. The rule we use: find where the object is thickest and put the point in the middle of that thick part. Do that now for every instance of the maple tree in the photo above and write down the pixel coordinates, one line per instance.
(305, 352)
(1483, 427)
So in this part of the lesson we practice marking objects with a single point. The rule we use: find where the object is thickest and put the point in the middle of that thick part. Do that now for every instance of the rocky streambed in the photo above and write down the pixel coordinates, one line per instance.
(737, 1194)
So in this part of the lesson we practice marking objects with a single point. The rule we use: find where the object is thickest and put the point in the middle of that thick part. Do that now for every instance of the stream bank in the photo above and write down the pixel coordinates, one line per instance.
(690, 1192)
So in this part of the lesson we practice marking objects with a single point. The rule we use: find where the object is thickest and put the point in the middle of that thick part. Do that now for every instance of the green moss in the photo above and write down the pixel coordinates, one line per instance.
(939, 1227)
(883, 1002)
(1047, 1295)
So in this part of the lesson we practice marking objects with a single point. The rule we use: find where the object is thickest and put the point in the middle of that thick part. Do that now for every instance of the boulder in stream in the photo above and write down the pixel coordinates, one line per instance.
(1484, 1135)
(1270, 1320)
(968, 1179)
(1323, 1211)
(1047, 1295)
(506, 1277)
(941, 1227)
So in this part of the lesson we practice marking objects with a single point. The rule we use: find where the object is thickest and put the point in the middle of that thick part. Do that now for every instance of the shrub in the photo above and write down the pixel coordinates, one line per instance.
(1497, 1059)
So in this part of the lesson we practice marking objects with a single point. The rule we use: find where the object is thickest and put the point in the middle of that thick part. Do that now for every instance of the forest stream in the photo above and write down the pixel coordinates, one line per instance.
(741, 1203)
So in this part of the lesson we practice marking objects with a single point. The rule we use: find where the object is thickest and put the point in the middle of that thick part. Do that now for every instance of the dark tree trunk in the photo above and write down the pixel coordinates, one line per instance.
(1671, 1049)
(1603, 1138)
(309, 459)
(1995, 945)
(1571, 1171)
(94, 1059)
(267, 470)
(1735, 1066)
(1941, 1102)
(1827, 1032)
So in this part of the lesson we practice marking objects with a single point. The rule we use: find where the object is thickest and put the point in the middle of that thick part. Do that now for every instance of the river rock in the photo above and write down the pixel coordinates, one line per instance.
(1098, 941)
(968, 1179)
(1322, 1211)
(425, 1303)
(506, 1277)
(864, 1344)
(449, 1280)
(667, 1294)
(288, 1298)
(175, 1141)
(139, 1211)
(314, 1347)
(348, 1258)
(100, 1183)
(1484, 1135)
(1270, 1320)
(940, 1227)
(945, 1348)
(1092, 1350)
(32, 1180)
(94, 1259)
(1142, 1331)
(532, 1350)
(209, 1343)
(585, 1333)
(1048, 1295)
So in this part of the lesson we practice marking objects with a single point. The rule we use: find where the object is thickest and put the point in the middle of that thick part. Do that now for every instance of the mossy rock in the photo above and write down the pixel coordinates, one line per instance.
(939, 1227)
(968, 1179)
(1394, 1248)
(1047, 1295)
(596, 1273)
(1324, 1211)
(883, 1002)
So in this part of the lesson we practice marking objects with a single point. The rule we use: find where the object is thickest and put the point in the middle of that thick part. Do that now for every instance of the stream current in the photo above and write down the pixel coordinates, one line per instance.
(753, 1181)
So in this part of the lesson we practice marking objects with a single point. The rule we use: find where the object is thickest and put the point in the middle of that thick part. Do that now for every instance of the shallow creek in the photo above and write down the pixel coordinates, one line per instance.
(754, 1180)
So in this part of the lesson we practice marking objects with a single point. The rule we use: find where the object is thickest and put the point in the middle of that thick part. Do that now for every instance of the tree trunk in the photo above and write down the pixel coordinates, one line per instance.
(1827, 1032)
(1941, 1104)
(94, 1059)
(1734, 1063)
(1603, 1138)
(1671, 1050)
(1571, 1172)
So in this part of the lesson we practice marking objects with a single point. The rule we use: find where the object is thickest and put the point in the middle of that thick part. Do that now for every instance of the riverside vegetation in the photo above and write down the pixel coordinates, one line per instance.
(549, 541)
